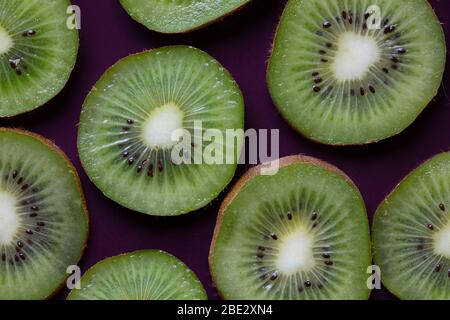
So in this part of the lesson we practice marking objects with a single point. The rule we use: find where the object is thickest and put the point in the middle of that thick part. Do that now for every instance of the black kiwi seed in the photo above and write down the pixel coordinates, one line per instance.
(344, 15)
(33, 215)
(261, 248)
(329, 262)
(308, 283)
(130, 161)
(448, 273)
(438, 268)
(22, 256)
(35, 208)
(386, 70)
(314, 216)
(322, 51)
(442, 207)
(401, 50)
(327, 24)
(372, 89)
(395, 59)
(14, 174)
(20, 244)
(316, 89)
(29, 33)
(430, 226)
(329, 45)
(28, 231)
(4, 257)
(130, 122)
(40, 224)
(20, 181)
(390, 28)
(126, 154)
(274, 236)
(326, 256)
(324, 60)
(318, 80)
(289, 215)
(274, 276)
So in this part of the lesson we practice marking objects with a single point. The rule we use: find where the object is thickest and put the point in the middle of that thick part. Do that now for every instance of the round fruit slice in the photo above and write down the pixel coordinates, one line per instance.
(355, 71)
(411, 234)
(43, 216)
(131, 122)
(169, 16)
(37, 53)
(299, 234)
(141, 275)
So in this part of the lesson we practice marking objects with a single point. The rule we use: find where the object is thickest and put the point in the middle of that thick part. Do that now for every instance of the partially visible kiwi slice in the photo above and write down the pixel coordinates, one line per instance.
(299, 234)
(141, 275)
(179, 16)
(411, 234)
(129, 120)
(37, 53)
(340, 78)
(43, 216)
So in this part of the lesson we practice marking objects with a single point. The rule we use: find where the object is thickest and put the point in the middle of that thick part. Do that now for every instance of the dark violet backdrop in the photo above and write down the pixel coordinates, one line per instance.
(241, 43)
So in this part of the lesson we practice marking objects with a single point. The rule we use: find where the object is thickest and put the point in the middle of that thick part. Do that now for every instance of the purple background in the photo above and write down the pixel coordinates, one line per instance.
(241, 43)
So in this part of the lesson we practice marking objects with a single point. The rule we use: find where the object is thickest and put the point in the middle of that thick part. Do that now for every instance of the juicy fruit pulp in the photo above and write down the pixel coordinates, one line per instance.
(411, 234)
(355, 71)
(142, 275)
(43, 218)
(178, 16)
(300, 234)
(37, 53)
(128, 123)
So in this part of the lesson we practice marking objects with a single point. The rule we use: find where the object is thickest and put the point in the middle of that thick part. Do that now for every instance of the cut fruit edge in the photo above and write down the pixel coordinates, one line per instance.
(30, 110)
(377, 211)
(291, 124)
(199, 27)
(125, 254)
(108, 73)
(50, 144)
(256, 171)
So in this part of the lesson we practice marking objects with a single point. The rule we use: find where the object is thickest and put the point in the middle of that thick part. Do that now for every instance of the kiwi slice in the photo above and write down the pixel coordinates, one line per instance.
(43, 216)
(348, 72)
(37, 53)
(299, 234)
(180, 16)
(141, 275)
(129, 120)
(411, 234)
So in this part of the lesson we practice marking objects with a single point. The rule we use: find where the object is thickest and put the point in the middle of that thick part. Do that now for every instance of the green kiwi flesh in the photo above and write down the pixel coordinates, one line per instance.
(141, 275)
(297, 235)
(179, 16)
(37, 53)
(168, 89)
(339, 82)
(411, 234)
(43, 217)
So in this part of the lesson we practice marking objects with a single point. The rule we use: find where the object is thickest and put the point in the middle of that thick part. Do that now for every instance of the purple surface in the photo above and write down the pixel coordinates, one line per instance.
(241, 43)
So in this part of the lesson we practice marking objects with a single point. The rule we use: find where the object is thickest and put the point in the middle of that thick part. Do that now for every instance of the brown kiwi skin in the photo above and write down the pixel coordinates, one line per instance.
(336, 146)
(73, 170)
(203, 26)
(256, 171)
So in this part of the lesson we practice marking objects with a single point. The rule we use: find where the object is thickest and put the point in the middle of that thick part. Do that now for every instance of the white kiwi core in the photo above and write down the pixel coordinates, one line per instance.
(6, 41)
(160, 128)
(442, 242)
(9, 219)
(354, 56)
(296, 252)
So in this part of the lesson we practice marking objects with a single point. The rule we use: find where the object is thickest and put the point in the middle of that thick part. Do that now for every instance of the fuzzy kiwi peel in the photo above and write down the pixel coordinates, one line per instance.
(38, 52)
(47, 275)
(140, 275)
(411, 232)
(333, 99)
(229, 278)
(171, 17)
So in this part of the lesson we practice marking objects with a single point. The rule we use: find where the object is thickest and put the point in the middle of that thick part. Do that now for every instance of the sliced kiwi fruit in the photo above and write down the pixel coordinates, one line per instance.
(141, 275)
(129, 120)
(411, 234)
(349, 72)
(297, 235)
(180, 16)
(43, 216)
(37, 53)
